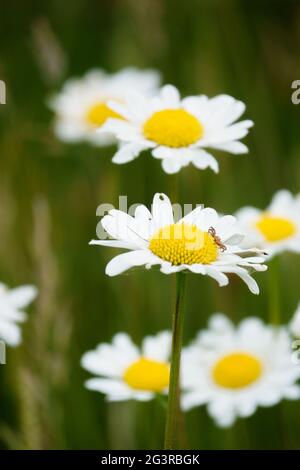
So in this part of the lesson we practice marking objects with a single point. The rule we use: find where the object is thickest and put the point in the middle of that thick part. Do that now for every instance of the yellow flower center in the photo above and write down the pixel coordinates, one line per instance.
(184, 244)
(237, 370)
(99, 113)
(147, 375)
(275, 229)
(173, 128)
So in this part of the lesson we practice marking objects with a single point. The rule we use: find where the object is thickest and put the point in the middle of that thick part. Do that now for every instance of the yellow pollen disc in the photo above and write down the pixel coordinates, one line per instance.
(275, 229)
(237, 370)
(184, 244)
(99, 113)
(147, 375)
(173, 128)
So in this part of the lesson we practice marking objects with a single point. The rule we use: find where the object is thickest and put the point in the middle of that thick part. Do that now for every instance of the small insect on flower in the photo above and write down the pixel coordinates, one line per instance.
(217, 239)
(195, 243)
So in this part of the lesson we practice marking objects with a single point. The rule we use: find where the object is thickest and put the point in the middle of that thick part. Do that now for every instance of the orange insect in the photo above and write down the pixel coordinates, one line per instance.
(217, 239)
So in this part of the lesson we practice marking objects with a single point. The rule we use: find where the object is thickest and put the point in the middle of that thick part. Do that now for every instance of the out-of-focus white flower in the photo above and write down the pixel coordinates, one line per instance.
(275, 229)
(202, 242)
(126, 372)
(234, 370)
(82, 105)
(295, 323)
(178, 130)
(12, 303)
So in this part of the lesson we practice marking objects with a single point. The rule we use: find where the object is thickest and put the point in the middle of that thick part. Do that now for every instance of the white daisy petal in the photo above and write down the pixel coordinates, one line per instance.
(170, 96)
(162, 210)
(122, 129)
(269, 398)
(167, 268)
(230, 110)
(106, 386)
(246, 408)
(21, 297)
(242, 273)
(281, 201)
(10, 333)
(224, 109)
(10, 314)
(125, 261)
(292, 392)
(124, 344)
(97, 363)
(171, 166)
(124, 228)
(196, 105)
(143, 396)
(235, 131)
(222, 411)
(207, 218)
(220, 277)
(114, 244)
(12, 303)
(204, 159)
(220, 323)
(158, 347)
(193, 399)
(128, 152)
(233, 147)
(235, 239)
(192, 217)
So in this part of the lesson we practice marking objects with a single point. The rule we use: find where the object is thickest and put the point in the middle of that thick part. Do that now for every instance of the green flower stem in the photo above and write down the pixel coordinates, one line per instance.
(174, 387)
(274, 297)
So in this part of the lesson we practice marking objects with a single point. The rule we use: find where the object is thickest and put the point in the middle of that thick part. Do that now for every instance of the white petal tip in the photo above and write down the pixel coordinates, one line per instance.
(109, 273)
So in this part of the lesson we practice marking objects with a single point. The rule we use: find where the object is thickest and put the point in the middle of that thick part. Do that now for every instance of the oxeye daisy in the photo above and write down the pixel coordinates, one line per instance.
(275, 229)
(202, 242)
(236, 369)
(127, 372)
(178, 130)
(12, 303)
(82, 105)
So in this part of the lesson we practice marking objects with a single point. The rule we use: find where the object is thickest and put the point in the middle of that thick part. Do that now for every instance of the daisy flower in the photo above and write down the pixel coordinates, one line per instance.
(202, 242)
(294, 325)
(236, 369)
(178, 130)
(82, 105)
(126, 372)
(12, 303)
(275, 229)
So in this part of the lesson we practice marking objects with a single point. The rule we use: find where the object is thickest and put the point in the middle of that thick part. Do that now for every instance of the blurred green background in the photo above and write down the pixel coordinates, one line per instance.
(49, 192)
